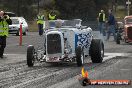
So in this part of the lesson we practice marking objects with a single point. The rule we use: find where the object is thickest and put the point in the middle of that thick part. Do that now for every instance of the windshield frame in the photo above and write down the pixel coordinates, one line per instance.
(128, 20)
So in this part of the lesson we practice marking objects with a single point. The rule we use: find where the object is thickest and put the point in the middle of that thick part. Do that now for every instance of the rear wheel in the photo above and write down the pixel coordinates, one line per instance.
(79, 56)
(97, 51)
(118, 38)
(30, 56)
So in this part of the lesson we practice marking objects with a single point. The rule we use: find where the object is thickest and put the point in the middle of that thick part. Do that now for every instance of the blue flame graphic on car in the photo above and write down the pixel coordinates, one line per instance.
(83, 40)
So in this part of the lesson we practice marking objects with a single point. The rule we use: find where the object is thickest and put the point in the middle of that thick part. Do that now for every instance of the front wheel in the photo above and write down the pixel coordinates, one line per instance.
(79, 56)
(97, 51)
(18, 33)
(25, 33)
(30, 56)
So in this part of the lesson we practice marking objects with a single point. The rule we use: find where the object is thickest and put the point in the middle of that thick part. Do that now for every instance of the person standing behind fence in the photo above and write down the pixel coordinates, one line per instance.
(101, 24)
(111, 25)
(40, 22)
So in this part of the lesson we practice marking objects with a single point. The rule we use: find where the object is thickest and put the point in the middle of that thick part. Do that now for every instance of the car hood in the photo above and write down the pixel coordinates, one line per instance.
(128, 25)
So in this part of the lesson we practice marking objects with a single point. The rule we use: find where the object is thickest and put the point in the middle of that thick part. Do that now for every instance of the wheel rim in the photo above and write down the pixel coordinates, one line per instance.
(33, 60)
(82, 59)
(102, 52)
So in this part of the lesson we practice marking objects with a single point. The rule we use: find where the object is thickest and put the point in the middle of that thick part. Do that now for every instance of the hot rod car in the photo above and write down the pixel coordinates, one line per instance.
(125, 34)
(69, 43)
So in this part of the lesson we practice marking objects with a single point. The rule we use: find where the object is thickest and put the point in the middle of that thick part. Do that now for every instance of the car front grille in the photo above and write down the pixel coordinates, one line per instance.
(53, 44)
(129, 32)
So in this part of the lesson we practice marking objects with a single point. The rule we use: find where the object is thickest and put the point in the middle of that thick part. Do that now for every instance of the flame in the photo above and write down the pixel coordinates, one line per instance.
(84, 73)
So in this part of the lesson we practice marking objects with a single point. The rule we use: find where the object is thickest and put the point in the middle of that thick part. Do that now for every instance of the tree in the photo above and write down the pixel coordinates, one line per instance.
(71, 9)
(20, 7)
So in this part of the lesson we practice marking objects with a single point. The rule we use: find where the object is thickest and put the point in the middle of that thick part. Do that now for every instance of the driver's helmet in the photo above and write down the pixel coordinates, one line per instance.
(58, 23)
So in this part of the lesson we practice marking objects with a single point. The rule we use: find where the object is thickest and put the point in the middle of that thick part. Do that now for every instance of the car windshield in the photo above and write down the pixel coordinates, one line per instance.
(72, 23)
(129, 21)
(15, 21)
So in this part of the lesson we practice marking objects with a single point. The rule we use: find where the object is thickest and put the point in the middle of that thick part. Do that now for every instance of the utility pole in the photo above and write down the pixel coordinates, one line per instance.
(116, 5)
(38, 6)
(113, 6)
(128, 7)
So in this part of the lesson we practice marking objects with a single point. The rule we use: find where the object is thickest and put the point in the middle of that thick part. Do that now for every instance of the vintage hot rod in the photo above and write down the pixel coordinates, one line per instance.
(125, 34)
(70, 42)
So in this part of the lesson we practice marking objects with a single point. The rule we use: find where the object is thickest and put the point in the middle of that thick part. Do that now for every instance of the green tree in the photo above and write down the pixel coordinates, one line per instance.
(20, 7)
(71, 9)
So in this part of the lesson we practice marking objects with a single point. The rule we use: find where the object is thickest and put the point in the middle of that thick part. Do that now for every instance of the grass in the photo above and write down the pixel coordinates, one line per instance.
(33, 27)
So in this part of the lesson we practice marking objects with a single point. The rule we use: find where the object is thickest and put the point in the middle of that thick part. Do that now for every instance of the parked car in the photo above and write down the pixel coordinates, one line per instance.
(125, 34)
(15, 27)
(67, 44)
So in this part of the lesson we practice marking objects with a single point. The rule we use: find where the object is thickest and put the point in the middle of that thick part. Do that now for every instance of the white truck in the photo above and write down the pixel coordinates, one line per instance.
(70, 42)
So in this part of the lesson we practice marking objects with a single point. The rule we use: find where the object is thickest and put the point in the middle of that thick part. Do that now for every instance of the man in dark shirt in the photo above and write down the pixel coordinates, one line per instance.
(111, 28)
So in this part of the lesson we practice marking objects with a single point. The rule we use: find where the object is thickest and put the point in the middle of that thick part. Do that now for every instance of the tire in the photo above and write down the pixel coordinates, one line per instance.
(118, 38)
(30, 56)
(97, 51)
(79, 56)
(25, 33)
(17, 34)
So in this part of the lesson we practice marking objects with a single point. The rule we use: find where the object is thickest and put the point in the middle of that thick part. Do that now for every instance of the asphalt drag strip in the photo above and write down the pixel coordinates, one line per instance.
(16, 74)
(93, 73)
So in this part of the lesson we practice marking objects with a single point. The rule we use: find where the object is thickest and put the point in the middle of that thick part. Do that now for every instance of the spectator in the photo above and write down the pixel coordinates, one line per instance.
(40, 22)
(111, 25)
(101, 20)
